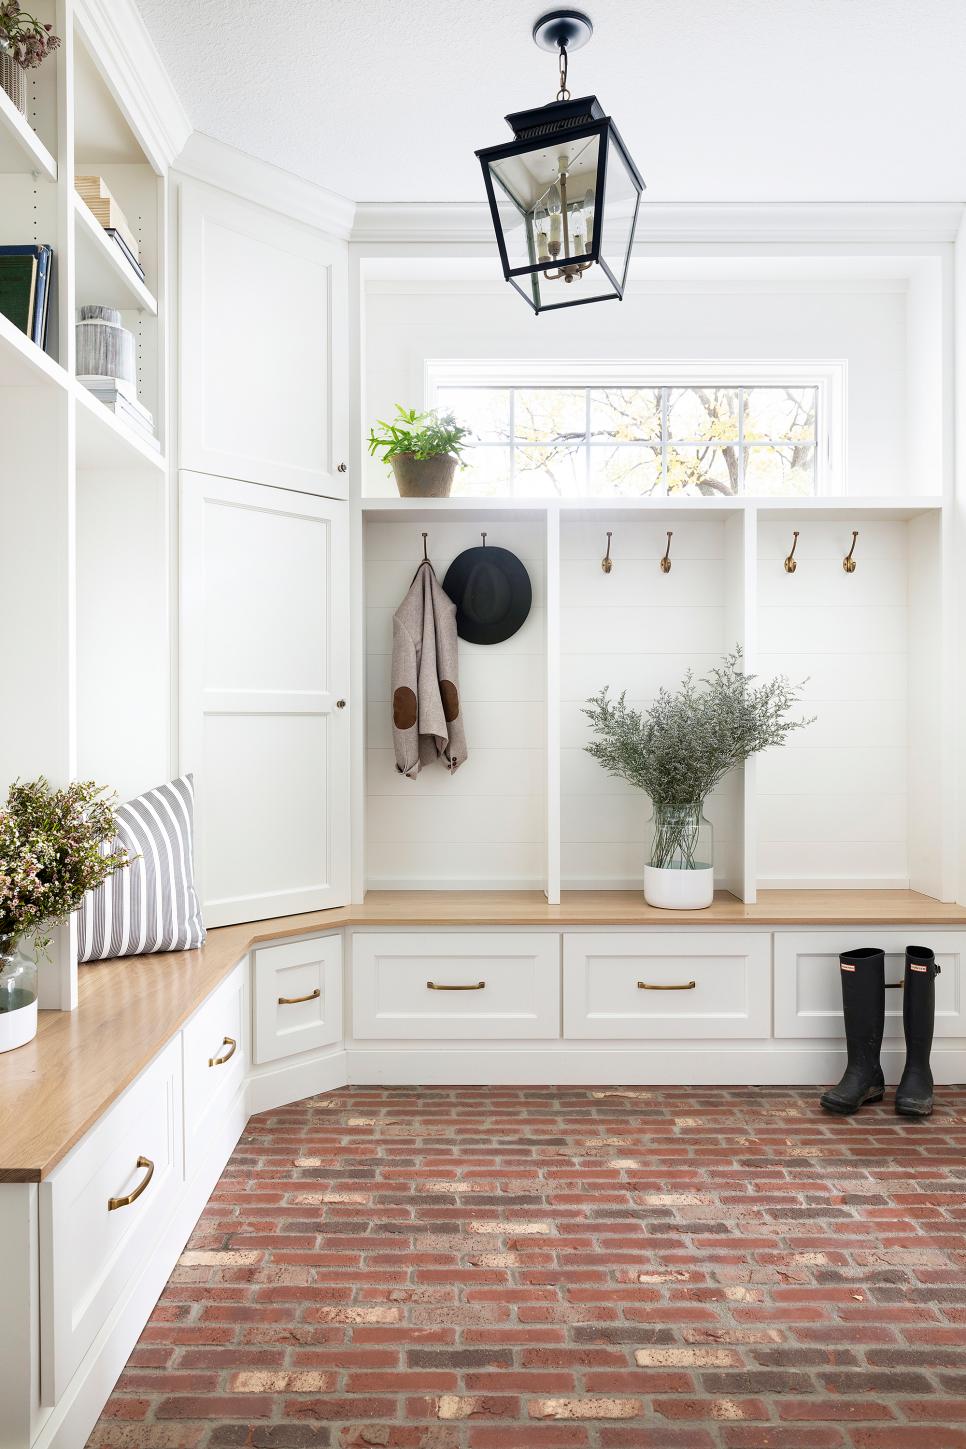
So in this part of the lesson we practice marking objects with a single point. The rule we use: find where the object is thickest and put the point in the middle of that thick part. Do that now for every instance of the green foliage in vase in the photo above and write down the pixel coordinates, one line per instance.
(54, 846)
(678, 750)
(425, 435)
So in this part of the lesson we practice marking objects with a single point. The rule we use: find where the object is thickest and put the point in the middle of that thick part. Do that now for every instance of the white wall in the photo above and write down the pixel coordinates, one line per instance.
(637, 629)
(484, 825)
(832, 805)
(861, 321)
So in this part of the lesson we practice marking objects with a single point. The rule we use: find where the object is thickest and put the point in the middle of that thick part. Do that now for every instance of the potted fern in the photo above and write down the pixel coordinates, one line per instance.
(423, 450)
(54, 846)
(677, 751)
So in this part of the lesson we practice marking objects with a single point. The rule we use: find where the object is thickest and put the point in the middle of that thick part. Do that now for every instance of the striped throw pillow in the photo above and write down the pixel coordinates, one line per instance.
(152, 904)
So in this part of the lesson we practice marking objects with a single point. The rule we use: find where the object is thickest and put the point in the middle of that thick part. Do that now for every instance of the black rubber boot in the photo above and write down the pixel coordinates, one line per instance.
(863, 1001)
(914, 1092)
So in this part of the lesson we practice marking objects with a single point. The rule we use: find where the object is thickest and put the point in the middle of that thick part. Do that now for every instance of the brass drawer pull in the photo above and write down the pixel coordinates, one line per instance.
(116, 1202)
(294, 1000)
(681, 986)
(895, 985)
(220, 1061)
(432, 986)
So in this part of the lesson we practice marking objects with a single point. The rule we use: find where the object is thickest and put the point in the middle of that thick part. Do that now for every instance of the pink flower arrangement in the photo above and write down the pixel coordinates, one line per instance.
(54, 846)
(27, 40)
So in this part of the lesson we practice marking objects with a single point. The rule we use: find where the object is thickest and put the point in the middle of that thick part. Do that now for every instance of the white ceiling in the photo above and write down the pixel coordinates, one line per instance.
(718, 100)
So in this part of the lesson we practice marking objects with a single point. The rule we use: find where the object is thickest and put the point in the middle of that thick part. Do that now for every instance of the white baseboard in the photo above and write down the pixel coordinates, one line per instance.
(732, 1064)
(280, 1082)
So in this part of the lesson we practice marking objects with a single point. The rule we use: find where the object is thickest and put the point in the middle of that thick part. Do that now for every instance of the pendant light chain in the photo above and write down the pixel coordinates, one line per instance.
(563, 94)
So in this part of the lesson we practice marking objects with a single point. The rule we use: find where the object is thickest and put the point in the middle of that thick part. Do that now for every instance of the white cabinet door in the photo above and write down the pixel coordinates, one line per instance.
(298, 997)
(264, 674)
(455, 985)
(656, 984)
(101, 1212)
(808, 989)
(263, 345)
(215, 1044)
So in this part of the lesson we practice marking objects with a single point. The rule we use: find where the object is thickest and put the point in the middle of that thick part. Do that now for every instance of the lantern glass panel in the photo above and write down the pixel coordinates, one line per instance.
(621, 196)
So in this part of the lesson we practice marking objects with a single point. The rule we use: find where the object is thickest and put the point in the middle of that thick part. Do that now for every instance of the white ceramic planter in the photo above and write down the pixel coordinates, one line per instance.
(18, 1027)
(679, 890)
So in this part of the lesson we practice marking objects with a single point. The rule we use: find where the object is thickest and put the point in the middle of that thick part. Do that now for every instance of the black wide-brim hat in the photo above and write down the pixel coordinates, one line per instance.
(491, 590)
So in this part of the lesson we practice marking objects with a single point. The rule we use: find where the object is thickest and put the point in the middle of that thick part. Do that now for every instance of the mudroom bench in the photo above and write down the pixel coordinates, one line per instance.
(117, 1121)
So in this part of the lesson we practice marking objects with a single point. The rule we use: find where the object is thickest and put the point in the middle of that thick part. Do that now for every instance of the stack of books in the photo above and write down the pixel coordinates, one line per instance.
(119, 397)
(96, 196)
(25, 287)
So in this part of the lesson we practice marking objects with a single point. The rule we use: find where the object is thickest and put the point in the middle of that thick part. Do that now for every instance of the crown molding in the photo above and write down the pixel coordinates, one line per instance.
(205, 159)
(377, 223)
(118, 39)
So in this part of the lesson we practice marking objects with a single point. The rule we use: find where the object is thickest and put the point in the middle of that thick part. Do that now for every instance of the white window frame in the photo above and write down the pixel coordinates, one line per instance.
(829, 377)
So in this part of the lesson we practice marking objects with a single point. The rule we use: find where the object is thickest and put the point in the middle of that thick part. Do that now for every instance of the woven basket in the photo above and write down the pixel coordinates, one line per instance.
(13, 79)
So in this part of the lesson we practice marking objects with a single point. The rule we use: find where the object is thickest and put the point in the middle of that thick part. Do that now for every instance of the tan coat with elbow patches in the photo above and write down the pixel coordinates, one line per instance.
(427, 719)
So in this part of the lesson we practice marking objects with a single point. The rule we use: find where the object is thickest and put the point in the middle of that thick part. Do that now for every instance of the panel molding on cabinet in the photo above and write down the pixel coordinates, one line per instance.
(215, 1064)
(264, 675)
(439, 985)
(101, 1212)
(298, 997)
(263, 345)
(808, 994)
(693, 984)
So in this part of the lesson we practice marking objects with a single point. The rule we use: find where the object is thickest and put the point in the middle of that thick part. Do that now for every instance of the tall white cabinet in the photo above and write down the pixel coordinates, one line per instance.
(263, 646)
(264, 671)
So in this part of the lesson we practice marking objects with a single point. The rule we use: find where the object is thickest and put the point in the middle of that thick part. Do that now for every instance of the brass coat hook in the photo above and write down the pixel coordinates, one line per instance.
(666, 560)
(607, 563)
(790, 564)
(848, 563)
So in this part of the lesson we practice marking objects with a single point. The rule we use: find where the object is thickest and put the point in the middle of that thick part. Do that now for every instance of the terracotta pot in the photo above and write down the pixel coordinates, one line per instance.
(13, 80)
(424, 477)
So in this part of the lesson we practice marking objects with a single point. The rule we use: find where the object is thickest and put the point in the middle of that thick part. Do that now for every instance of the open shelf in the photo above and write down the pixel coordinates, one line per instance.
(23, 363)
(657, 506)
(21, 150)
(103, 275)
(103, 441)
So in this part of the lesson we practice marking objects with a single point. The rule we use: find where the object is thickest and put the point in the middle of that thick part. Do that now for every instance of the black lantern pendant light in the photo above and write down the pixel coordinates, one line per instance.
(564, 194)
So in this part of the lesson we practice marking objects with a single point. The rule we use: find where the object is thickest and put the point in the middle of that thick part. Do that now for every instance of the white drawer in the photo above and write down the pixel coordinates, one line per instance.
(653, 985)
(298, 997)
(437, 985)
(215, 1062)
(89, 1251)
(808, 990)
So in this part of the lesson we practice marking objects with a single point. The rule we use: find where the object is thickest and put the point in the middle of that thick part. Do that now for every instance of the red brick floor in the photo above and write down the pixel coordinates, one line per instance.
(514, 1268)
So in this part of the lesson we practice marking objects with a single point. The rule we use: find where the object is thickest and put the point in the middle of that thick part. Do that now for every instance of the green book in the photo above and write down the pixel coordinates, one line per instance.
(18, 284)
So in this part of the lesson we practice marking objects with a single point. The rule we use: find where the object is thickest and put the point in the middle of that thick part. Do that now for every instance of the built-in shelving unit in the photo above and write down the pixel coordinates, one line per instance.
(84, 569)
(21, 149)
(845, 805)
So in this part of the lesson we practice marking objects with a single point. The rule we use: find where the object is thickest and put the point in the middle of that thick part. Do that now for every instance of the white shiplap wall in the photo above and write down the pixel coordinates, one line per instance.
(486, 824)
(637, 629)
(832, 805)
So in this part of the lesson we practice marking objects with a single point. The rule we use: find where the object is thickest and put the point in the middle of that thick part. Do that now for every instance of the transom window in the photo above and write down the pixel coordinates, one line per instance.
(567, 441)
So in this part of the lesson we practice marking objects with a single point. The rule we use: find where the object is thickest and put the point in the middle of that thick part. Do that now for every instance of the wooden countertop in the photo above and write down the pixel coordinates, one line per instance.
(56, 1087)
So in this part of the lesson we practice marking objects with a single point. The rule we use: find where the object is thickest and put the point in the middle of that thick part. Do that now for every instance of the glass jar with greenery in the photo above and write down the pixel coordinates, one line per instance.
(423, 450)
(677, 751)
(55, 845)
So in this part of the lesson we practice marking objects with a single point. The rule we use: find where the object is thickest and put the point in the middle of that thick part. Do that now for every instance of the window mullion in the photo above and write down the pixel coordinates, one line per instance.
(664, 441)
(513, 442)
(587, 406)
